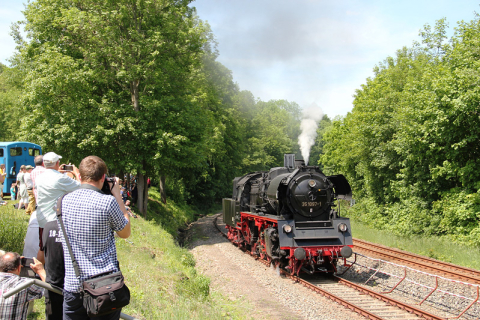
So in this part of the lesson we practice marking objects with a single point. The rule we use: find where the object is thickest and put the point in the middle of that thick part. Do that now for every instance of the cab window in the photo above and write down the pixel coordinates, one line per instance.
(1, 153)
(17, 151)
(33, 152)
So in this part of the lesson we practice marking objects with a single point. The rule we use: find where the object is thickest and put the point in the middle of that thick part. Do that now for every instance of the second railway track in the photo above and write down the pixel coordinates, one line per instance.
(368, 303)
(419, 262)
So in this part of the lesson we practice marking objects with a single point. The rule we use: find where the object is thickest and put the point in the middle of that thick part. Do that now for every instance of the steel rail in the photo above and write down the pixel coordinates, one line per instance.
(390, 301)
(331, 296)
(339, 300)
(343, 302)
(419, 262)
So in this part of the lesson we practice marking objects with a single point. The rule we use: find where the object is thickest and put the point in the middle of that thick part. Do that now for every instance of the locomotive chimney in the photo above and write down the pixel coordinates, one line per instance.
(289, 160)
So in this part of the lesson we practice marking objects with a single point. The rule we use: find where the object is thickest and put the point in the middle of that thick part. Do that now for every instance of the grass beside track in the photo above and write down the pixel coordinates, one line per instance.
(161, 275)
(441, 249)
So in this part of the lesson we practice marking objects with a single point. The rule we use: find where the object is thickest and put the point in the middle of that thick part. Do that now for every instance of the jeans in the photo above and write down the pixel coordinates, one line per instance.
(73, 308)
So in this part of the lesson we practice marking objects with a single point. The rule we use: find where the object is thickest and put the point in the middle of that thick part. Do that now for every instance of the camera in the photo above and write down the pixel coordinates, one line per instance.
(68, 167)
(26, 261)
(106, 185)
(26, 271)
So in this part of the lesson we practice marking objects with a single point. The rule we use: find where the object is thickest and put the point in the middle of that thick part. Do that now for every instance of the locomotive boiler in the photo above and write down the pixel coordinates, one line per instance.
(288, 216)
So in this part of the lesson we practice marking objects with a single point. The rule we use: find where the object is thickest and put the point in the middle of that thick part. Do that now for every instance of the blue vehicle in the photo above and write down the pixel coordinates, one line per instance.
(13, 155)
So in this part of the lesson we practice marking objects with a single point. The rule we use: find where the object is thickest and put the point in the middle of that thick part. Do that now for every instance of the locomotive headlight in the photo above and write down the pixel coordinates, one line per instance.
(312, 183)
(287, 228)
(342, 227)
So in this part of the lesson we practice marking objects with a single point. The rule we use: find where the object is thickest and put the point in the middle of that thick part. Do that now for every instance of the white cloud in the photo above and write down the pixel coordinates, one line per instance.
(306, 51)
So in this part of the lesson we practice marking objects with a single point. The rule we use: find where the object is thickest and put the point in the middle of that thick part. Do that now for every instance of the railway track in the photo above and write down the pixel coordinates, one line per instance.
(418, 262)
(364, 301)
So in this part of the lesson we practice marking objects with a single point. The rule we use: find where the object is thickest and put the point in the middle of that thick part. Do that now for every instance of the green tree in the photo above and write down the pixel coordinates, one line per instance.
(225, 147)
(115, 78)
(12, 112)
(272, 132)
(410, 145)
(317, 149)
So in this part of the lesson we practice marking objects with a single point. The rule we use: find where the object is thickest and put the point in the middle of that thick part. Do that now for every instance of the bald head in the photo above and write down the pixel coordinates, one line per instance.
(10, 263)
(38, 161)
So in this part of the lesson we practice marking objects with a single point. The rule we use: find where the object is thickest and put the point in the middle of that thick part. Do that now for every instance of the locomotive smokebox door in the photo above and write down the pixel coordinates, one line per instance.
(228, 206)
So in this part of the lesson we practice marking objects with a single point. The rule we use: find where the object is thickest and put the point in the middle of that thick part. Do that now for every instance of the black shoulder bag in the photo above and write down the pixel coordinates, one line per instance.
(103, 293)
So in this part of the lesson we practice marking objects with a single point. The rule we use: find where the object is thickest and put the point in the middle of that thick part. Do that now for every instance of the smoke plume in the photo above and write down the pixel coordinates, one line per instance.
(311, 116)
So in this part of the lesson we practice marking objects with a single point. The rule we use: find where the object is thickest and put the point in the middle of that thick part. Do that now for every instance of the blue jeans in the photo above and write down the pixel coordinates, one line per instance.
(73, 308)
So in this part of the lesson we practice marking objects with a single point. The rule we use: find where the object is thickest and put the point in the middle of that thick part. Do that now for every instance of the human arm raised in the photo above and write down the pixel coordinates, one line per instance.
(125, 232)
(37, 266)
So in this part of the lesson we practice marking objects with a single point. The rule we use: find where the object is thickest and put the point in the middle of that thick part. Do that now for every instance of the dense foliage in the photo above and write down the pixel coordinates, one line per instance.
(410, 146)
(137, 83)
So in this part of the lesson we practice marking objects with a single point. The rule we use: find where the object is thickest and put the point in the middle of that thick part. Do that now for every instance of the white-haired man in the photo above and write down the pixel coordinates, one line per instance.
(50, 185)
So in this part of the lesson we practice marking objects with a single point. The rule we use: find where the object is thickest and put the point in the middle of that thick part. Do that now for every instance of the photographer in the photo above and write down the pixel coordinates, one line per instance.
(90, 217)
(50, 185)
(16, 306)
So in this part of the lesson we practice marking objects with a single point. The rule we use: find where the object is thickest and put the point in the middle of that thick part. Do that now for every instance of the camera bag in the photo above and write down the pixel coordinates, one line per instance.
(103, 293)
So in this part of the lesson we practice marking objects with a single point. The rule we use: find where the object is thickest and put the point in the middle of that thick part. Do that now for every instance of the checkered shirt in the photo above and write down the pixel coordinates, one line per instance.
(16, 307)
(90, 219)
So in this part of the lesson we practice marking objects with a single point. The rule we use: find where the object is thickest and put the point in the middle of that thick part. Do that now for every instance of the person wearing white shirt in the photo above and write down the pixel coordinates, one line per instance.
(50, 185)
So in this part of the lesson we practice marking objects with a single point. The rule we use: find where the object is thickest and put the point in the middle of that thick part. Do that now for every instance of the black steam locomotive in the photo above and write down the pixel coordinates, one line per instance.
(287, 216)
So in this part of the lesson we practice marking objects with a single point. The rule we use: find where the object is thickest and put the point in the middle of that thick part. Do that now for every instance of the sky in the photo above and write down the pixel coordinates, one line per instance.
(318, 52)
(312, 52)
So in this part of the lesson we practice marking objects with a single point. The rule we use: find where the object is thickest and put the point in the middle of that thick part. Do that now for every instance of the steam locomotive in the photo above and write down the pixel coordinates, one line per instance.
(288, 216)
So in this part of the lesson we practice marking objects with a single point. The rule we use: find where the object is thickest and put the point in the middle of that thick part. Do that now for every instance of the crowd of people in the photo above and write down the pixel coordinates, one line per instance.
(91, 220)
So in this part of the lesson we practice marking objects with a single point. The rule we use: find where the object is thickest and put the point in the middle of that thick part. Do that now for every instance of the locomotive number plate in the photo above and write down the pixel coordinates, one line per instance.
(311, 204)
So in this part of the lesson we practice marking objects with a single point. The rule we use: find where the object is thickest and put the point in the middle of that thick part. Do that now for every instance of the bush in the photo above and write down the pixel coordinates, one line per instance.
(456, 215)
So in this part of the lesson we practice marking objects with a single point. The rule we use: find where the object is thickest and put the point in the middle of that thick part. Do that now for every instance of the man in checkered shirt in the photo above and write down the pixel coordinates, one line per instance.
(91, 218)
(16, 306)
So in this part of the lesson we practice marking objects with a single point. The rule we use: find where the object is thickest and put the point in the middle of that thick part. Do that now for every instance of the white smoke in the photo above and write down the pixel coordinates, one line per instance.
(311, 116)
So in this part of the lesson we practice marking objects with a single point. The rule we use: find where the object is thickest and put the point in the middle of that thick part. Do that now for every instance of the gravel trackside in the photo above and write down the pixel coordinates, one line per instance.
(238, 276)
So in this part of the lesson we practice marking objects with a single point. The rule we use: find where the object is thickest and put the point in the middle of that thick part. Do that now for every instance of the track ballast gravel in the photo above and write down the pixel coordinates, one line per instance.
(238, 276)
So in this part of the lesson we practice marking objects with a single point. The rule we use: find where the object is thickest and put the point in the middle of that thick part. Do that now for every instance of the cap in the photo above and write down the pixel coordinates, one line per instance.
(51, 157)
(28, 167)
